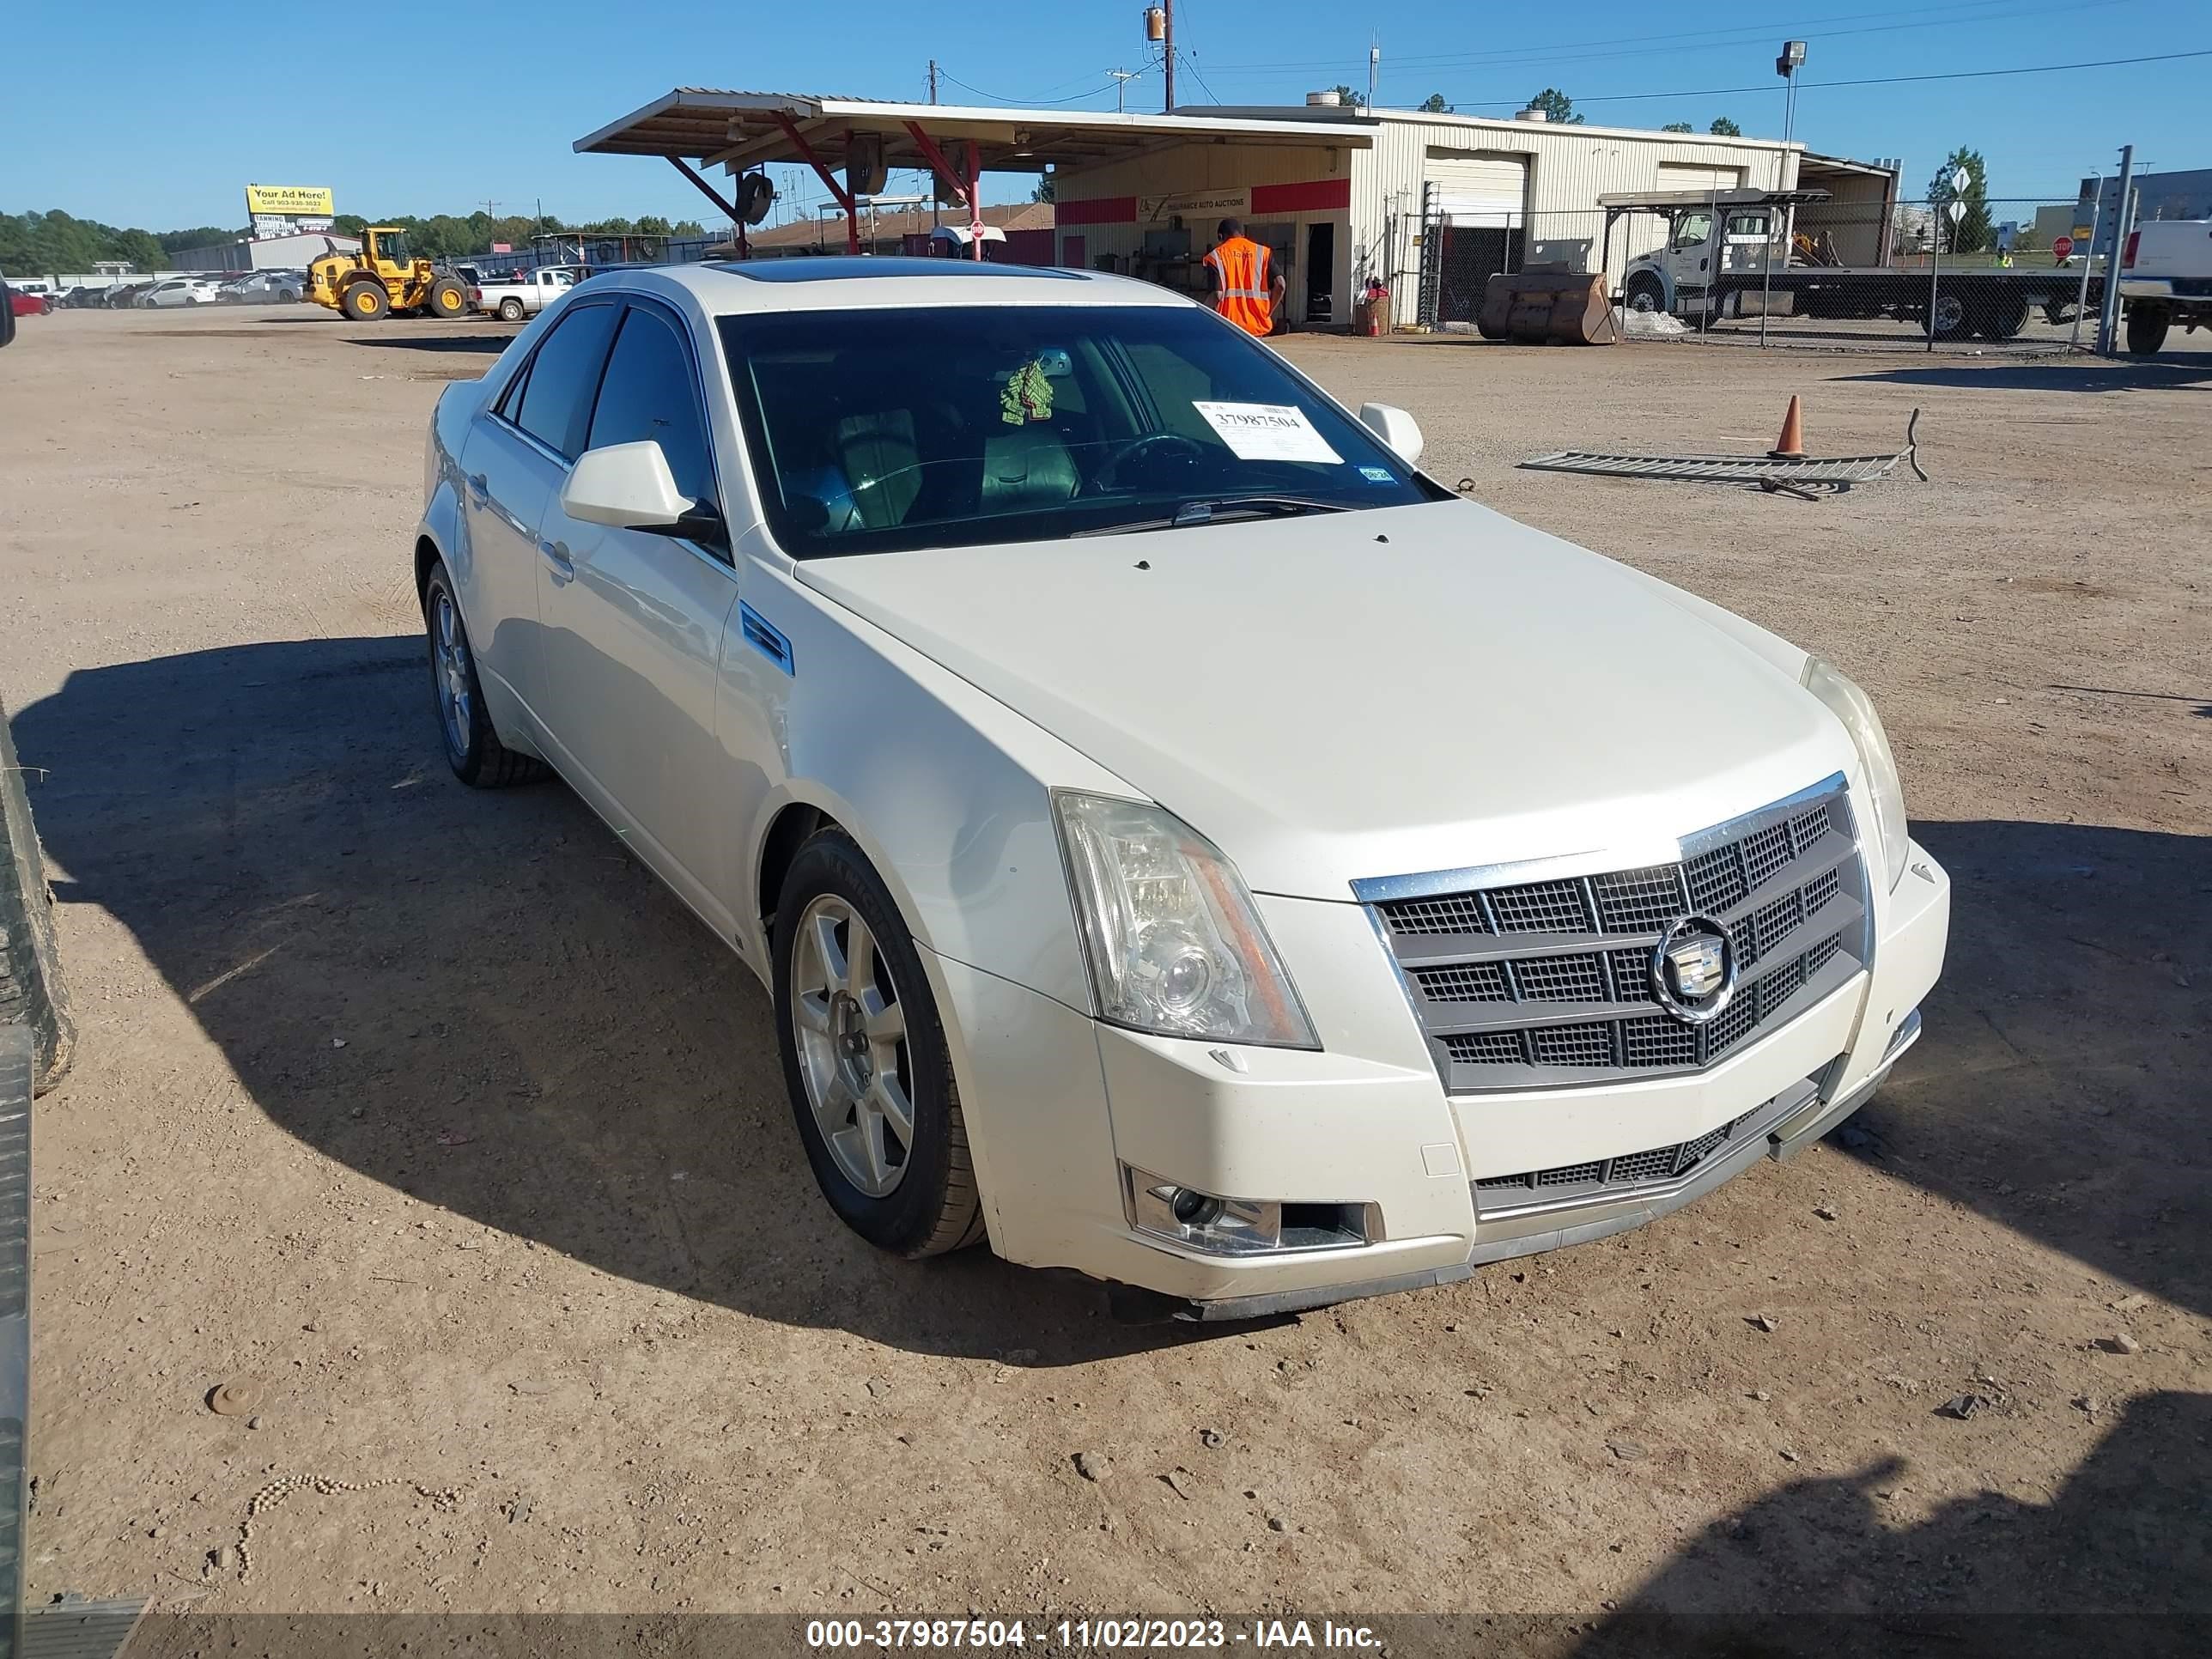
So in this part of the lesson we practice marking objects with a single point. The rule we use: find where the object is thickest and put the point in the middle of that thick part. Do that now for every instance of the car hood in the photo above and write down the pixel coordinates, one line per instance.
(1366, 694)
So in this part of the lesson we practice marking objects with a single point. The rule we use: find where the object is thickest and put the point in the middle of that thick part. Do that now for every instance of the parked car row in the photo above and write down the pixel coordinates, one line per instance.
(242, 288)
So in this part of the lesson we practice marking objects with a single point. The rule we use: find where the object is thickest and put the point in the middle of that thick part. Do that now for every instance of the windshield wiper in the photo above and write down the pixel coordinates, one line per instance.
(1197, 513)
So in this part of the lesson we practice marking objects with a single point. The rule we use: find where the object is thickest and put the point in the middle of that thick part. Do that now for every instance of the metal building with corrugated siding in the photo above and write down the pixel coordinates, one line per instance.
(1532, 185)
(1342, 197)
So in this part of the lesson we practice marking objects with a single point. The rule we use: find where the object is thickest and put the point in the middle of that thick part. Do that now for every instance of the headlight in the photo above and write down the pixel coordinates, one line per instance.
(1851, 706)
(1173, 943)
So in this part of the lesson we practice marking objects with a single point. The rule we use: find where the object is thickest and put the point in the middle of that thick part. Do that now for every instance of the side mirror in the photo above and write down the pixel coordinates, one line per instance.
(625, 486)
(1395, 428)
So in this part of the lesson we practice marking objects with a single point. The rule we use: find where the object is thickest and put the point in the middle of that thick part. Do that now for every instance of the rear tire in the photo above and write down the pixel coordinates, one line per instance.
(365, 302)
(448, 299)
(2147, 326)
(473, 750)
(2001, 317)
(510, 311)
(32, 994)
(844, 962)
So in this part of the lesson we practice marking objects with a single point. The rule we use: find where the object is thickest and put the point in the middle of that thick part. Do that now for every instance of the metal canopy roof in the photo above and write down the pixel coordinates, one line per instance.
(1659, 201)
(740, 130)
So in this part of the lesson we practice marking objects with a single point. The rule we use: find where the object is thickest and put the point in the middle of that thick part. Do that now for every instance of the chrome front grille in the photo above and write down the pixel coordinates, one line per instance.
(1534, 983)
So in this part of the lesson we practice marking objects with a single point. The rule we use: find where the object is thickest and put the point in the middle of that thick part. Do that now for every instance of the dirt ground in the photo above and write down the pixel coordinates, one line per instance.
(429, 1114)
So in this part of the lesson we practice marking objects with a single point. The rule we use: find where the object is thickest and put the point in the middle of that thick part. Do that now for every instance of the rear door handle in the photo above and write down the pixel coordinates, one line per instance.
(557, 556)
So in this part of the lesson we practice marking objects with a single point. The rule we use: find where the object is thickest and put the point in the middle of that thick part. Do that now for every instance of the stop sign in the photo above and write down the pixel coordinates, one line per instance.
(2062, 247)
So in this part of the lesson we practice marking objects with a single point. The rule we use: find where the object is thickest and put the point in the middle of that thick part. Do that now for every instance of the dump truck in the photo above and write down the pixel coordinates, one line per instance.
(1730, 253)
(385, 279)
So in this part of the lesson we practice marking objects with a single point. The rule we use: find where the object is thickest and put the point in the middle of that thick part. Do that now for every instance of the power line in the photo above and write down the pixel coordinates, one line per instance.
(1869, 81)
(999, 98)
(1978, 11)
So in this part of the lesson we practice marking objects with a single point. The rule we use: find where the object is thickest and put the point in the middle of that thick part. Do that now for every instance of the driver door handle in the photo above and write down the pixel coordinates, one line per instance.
(557, 556)
(479, 488)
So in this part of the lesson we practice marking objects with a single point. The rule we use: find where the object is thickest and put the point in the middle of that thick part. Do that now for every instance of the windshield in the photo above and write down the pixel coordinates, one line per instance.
(878, 430)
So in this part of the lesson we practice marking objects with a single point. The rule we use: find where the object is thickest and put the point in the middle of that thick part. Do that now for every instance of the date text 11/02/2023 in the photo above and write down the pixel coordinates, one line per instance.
(992, 1635)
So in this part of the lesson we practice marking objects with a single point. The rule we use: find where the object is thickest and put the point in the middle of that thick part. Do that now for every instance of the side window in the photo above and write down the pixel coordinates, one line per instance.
(510, 402)
(1695, 227)
(650, 392)
(556, 398)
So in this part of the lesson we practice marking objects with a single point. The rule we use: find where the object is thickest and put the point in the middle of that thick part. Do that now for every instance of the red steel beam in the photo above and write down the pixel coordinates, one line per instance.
(936, 158)
(975, 205)
(701, 185)
(844, 197)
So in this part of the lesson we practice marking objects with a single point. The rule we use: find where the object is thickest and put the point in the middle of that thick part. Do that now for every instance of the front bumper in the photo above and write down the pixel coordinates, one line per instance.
(1058, 1106)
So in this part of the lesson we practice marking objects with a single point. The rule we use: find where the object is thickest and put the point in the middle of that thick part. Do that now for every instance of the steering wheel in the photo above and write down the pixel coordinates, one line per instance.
(1162, 453)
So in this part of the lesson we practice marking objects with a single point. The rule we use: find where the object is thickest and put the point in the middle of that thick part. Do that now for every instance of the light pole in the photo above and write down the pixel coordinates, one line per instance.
(2108, 319)
(1786, 65)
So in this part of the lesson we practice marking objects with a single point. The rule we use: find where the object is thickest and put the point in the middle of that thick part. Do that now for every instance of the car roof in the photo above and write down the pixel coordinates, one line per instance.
(837, 282)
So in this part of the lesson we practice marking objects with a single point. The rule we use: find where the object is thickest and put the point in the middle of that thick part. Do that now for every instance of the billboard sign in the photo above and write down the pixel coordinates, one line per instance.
(288, 201)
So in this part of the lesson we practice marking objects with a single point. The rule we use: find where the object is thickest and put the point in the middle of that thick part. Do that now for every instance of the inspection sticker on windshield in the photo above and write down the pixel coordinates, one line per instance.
(1268, 432)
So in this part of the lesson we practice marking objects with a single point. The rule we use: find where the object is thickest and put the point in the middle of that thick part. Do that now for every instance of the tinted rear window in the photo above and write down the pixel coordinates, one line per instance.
(564, 376)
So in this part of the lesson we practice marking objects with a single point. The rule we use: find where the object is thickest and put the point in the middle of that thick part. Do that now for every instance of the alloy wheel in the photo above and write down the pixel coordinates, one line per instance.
(451, 643)
(851, 1031)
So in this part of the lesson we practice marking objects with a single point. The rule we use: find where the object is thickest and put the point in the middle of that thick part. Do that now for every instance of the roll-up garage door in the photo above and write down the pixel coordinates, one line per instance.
(1491, 191)
(1474, 226)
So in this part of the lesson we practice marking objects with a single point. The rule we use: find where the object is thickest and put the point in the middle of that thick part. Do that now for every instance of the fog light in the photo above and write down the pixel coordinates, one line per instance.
(1200, 1220)
(1194, 1209)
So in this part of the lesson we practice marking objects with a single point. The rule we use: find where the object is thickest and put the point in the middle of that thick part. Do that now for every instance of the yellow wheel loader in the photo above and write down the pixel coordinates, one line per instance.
(384, 279)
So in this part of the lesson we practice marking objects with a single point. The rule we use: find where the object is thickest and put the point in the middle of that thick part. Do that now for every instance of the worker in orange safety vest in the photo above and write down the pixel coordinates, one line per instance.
(1245, 284)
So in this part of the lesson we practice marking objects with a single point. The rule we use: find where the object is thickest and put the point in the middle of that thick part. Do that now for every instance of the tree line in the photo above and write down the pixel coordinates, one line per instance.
(35, 244)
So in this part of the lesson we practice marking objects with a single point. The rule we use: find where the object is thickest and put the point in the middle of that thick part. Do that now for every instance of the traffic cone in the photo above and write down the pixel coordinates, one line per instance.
(1791, 445)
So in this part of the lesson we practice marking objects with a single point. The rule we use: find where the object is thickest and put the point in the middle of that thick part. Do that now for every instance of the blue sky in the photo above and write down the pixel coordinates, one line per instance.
(138, 113)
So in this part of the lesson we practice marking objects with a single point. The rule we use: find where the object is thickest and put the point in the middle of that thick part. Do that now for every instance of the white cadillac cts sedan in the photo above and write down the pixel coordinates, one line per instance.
(1184, 842)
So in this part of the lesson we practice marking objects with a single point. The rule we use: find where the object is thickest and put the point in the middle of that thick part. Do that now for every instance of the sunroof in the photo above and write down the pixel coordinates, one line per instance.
(844, 269)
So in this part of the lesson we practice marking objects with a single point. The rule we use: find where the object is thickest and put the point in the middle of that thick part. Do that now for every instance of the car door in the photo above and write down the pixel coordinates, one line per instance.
(633, 623)
(512, 466)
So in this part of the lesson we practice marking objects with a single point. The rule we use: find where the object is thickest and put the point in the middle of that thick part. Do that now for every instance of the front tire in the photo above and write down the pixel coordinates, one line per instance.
(448, 298)
(473, 750)
(2147, 326)
(365, 302)
(1946, 319)
(1646, 293)
(865, 1060)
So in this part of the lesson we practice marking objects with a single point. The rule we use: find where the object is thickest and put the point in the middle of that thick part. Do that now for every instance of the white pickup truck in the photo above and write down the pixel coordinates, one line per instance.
(2166, 277)
(529, 293)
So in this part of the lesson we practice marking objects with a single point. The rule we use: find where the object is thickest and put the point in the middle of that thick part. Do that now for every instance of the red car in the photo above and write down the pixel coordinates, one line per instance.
(30, 305)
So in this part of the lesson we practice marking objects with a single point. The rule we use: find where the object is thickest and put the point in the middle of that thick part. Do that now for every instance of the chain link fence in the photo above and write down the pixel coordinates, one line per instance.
(1831, 274)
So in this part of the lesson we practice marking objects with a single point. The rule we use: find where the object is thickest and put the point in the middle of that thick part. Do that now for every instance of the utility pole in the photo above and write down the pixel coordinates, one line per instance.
(1122, 79)
(490, 208)
(933, 80)
(1374, 63)
(1167, 52)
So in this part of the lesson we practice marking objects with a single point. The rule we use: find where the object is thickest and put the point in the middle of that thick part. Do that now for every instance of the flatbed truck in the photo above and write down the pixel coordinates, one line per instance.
(1729, 253)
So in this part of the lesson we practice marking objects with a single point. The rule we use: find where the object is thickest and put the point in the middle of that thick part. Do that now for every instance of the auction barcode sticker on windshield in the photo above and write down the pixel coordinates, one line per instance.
(1268, 432)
